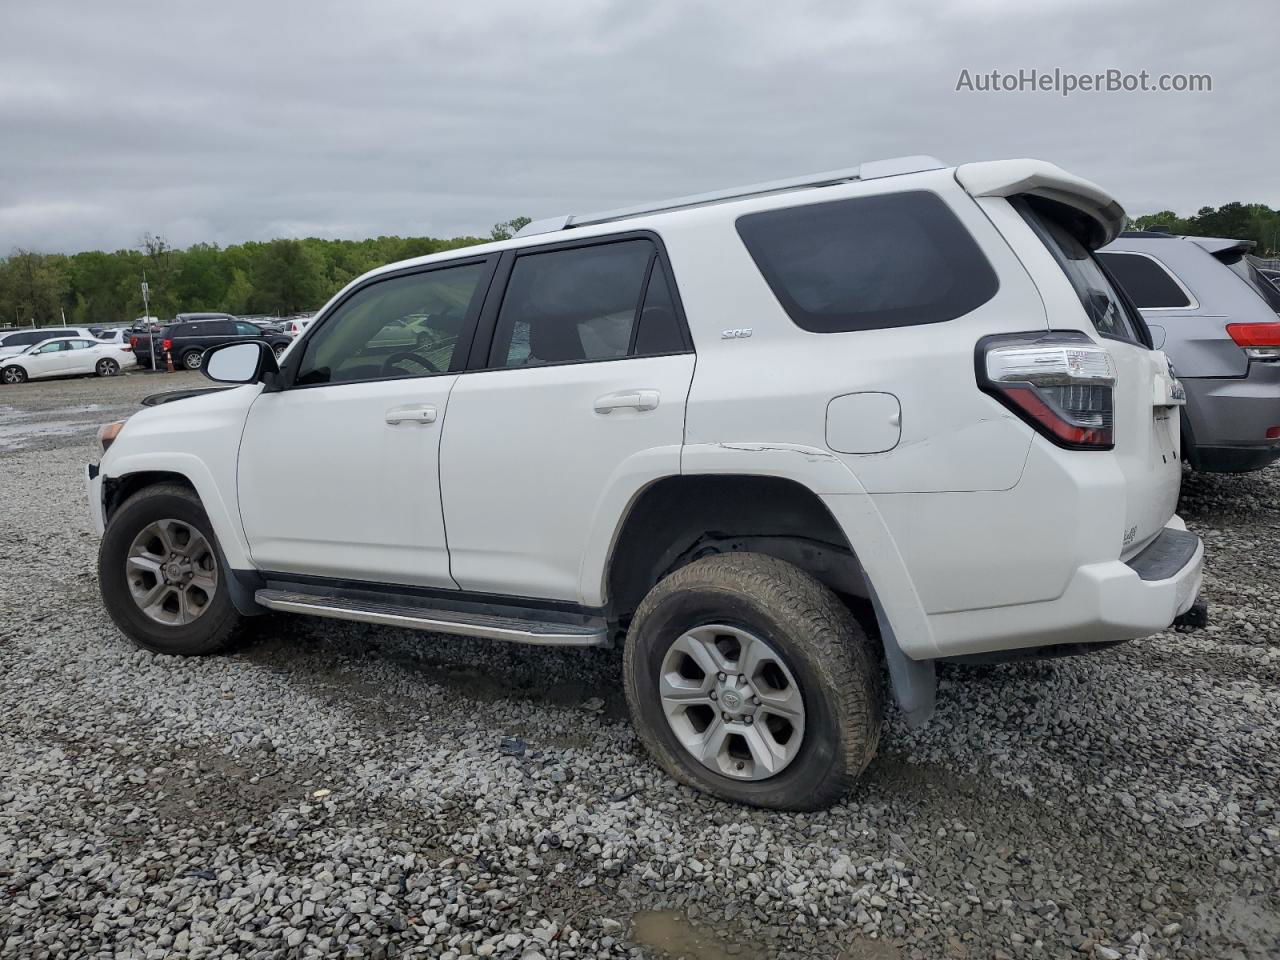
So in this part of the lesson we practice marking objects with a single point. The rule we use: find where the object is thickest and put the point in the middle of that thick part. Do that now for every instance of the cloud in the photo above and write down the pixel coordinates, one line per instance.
(235, 121)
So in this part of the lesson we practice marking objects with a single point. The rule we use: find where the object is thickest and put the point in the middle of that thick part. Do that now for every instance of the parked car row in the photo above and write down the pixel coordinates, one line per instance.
(32, 353)
(184, 341)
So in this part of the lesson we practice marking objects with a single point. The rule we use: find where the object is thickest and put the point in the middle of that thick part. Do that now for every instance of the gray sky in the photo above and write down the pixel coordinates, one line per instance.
(234, 121)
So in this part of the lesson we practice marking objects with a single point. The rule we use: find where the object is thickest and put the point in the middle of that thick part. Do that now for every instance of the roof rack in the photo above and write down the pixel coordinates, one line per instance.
(870, 170)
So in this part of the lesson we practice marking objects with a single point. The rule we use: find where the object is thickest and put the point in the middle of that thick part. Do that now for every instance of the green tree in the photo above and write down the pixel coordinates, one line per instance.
(508, 228)
(33, 287)
(288, 276)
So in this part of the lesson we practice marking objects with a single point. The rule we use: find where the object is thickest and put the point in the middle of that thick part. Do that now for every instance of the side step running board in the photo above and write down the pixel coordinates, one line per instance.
(438, 620)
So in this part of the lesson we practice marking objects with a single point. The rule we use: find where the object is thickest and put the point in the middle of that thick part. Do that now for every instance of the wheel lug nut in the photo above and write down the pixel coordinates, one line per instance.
(725, 716)
(714, 694)
(722, 677)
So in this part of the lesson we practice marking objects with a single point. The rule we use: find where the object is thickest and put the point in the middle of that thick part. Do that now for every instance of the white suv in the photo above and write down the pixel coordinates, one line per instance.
(740, 434)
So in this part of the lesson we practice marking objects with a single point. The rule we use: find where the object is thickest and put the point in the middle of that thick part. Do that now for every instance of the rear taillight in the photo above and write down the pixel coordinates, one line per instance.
(133, 342)
(166, 345)
(1062, 383)
(1260, 341)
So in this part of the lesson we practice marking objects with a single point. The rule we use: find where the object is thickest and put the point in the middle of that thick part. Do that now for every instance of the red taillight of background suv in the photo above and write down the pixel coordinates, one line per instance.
(1062, 383)
(1260, 341)
(133, 342)
(166, 345)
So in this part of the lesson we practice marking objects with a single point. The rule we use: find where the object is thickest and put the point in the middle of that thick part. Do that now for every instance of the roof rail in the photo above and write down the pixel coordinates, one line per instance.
(871, 170)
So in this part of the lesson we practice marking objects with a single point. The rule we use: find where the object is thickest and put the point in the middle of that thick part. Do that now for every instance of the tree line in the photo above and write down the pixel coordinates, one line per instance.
(1238, 221)
(282, 277)
(278, 277)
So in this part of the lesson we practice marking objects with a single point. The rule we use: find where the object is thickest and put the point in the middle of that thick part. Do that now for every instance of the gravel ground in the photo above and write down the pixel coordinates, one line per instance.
(345, 791)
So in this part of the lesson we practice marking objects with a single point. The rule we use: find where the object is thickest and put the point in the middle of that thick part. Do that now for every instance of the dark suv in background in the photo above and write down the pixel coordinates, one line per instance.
(191, 334)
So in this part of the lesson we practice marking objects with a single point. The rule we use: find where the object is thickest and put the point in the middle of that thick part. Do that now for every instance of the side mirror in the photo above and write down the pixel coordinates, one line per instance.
(245, 362)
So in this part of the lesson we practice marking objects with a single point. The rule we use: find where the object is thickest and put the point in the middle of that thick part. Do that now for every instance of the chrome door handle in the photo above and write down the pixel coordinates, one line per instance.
(630, 399)
(419, 413)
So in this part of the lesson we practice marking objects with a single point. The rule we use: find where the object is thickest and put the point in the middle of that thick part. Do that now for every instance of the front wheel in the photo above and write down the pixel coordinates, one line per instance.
(13, 375)
(108, 367)
(750, 680)
(279, 349)
(162, 576)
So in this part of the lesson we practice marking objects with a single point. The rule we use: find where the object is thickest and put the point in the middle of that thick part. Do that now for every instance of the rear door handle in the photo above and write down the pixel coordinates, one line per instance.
(628, 399)
(415, 413)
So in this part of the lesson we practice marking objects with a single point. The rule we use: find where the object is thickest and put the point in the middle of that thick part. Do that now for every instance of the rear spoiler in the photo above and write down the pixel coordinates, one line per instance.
(1228, 251)
(1009, 178)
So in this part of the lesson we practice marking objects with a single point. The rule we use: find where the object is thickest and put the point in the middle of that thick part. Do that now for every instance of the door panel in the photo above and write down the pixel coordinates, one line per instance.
(529, 452)
(329, 487)
(339, 475)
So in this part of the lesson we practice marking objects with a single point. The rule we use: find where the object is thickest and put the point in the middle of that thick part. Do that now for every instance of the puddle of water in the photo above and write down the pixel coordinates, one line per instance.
(675, 935)
(1241, 920)
(17, 436)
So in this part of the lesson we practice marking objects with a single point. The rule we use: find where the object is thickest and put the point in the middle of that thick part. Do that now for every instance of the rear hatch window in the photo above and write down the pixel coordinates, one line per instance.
(865, 263)
(1105, 306)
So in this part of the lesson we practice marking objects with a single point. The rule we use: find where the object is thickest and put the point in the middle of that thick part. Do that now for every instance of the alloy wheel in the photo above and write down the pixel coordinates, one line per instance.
(732, 702)
(172, 572)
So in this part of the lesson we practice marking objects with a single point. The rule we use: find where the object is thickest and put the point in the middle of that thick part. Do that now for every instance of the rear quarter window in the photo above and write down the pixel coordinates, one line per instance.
(865, 263)
(1147, 282)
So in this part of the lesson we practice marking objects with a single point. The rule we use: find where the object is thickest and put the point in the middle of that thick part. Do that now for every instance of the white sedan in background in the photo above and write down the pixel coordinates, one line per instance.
(66, 357)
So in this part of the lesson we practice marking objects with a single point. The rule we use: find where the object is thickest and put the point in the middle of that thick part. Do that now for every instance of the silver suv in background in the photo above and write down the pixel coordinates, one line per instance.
(1216, 318)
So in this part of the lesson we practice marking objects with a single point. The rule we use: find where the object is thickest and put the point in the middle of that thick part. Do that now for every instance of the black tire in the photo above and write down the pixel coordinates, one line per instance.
(191, 359)
(278, 349)
(107, 367)
(216, 629)
(823, 646)
(13, 375)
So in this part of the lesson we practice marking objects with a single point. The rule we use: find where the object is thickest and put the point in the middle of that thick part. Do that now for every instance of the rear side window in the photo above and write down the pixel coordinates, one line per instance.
(1148, 283)
(869, 262)
(1105, 307)
(599, 302)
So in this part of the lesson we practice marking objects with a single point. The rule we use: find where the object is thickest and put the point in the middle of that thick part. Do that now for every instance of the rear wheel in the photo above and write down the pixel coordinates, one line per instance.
(13, 375)
(191, 359)
(750, 680)
(278, 349)
(107, 367)
(162, 576)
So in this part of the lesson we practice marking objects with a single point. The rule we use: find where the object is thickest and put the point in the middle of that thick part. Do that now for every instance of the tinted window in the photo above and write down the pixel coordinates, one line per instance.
(400, 327)
(24, 339)
(1103, 305)
(1146, 281)
(869, 262)
(659, 329)
(246, 329)
(576, 304)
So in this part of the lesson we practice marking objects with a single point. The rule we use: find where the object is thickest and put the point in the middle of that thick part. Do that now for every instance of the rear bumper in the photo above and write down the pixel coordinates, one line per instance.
(1229, 418)
(1234, 459)
(1103, 603)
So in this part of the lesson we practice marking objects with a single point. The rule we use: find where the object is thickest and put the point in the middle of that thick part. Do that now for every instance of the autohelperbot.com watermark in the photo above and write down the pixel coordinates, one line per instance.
(1066, 82)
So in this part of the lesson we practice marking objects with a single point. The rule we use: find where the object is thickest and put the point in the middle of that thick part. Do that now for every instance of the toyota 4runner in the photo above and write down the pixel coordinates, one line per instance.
(777, 441)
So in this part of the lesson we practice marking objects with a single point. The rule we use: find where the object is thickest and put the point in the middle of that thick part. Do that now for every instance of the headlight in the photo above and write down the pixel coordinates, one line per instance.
(108, 432)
